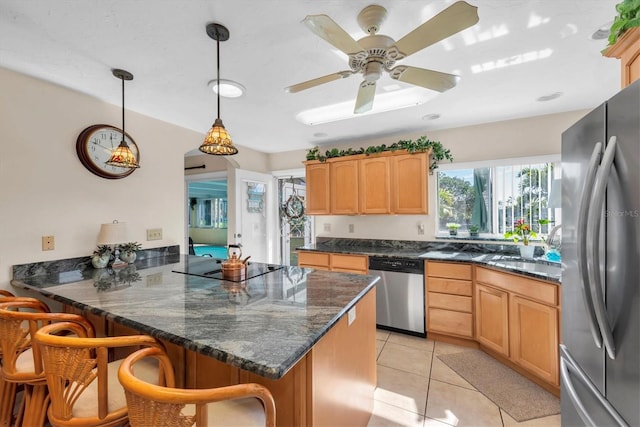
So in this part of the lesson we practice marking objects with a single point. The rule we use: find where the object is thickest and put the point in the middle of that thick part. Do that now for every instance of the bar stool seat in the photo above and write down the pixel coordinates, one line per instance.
(154, 404)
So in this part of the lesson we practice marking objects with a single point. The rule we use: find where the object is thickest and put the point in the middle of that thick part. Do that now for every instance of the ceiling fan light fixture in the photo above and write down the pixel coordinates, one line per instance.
(122, 156)
(218, 141)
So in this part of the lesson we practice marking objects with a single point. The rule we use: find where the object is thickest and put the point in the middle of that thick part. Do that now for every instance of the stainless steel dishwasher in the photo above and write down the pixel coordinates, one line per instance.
(399, 294)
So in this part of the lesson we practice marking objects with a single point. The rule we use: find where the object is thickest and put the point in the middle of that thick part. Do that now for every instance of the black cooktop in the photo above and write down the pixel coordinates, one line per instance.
(212, 269)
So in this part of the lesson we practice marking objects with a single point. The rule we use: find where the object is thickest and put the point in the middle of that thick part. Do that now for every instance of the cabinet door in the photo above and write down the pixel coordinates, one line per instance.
(317, 189)
(375, 180)
(344, 187)
(409, 184)
(492, 318)
(534, 337)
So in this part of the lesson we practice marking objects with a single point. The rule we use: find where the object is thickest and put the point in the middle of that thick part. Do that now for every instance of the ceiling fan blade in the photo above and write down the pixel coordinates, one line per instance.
(327, 29)
(366, 93)
(318, 81)
(453, 19)
(429, 79)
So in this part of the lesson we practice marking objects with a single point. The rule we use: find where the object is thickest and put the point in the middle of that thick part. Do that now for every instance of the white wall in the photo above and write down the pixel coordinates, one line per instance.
(534, 136)
(45, 190)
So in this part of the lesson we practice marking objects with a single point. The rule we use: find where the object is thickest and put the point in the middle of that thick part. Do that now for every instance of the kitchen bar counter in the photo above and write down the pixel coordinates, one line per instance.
(263, 328)
(538, 268)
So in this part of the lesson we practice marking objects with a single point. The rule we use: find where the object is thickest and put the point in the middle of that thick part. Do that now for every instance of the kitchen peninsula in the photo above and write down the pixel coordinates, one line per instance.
(308, 335)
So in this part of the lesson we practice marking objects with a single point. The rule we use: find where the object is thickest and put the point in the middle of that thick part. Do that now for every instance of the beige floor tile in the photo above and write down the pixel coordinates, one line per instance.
(461, 407)
(402, 389)
(411, 341)
(552, 421)
(381, 334)
(430, 422)
(405, 358)
(385, 415)
(379, 345)
(446, 348)
(441, 372)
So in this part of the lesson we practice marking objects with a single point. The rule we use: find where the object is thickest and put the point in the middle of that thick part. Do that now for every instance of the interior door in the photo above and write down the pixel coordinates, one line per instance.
(255, 215)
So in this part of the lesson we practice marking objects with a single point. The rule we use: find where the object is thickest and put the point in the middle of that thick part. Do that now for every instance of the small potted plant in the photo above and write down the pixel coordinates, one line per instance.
(522, 231)
(128, 251)
(474, 230)
(453, 228)
(101, 256)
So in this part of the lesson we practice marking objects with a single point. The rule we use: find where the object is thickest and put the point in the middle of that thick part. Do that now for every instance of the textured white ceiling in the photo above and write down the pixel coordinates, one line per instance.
(164, 44)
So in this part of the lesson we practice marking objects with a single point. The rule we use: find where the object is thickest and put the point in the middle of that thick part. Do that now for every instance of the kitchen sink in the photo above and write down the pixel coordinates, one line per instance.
(530, 266)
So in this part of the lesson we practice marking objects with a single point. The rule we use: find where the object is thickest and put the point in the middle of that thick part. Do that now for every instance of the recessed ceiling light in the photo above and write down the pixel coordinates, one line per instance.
(602, 32)
(228, 88)
(549, 97)
(431, 117)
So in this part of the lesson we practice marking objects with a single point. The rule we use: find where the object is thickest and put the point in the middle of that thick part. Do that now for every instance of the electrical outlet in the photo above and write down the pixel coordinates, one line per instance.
(327, 227)
(351, 316)
(154, 233)
(420, 228)
(351, 228)
(48, 243)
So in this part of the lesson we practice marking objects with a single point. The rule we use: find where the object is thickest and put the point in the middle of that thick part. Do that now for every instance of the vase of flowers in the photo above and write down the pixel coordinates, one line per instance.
(522, 231)
(453, 228)
(128, 251)
(101, 256)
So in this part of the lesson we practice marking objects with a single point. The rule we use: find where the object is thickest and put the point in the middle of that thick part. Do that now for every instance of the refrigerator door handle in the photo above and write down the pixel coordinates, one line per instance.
(583, 237)
(569, 366)
(593, 245)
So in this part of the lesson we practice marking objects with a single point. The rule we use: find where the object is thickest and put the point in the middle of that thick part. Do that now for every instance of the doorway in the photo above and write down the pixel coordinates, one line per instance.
(208, 213)
(295, 230)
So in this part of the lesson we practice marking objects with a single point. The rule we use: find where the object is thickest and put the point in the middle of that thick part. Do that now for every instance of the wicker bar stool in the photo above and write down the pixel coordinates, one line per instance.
(22, 363)
(7, 389)
(83, 384)
(167, 406)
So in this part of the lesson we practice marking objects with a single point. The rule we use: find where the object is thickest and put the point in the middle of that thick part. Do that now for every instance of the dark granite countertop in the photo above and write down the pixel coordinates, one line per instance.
(264, 327)
(502, 257)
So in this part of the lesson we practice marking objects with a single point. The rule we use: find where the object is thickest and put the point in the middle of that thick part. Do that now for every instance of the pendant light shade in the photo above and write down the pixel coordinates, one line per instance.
(218, 141)
(122, 156)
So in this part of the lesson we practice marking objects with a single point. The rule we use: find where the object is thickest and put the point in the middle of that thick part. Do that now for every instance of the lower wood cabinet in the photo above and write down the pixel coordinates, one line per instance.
(345, 263)
(449, 304)
(492, 319)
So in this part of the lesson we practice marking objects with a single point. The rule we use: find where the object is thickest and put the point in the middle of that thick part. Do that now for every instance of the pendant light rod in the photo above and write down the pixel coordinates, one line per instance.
(122, 75)
(122, 156)
(219, 33)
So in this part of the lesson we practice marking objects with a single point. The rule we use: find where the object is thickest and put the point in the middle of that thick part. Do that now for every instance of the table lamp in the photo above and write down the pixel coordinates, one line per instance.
(113, 234)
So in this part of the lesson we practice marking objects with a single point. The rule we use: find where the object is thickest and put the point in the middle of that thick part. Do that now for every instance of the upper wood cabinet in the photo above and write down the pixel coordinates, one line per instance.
(409, 181)
(384, 183)
(627, 49)
(318, 201)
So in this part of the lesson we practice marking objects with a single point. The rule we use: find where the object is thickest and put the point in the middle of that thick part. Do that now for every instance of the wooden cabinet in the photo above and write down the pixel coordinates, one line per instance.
(534, 337)
(317, 197)
(344, 187)
(492, 318)
(627, 49)
(383, 183)
(449, 302)
(375, 186)
(409, 181)
(345, 263)
(518, 318)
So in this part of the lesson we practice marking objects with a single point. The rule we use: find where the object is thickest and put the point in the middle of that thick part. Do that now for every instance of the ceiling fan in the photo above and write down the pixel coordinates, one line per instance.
(375, 53)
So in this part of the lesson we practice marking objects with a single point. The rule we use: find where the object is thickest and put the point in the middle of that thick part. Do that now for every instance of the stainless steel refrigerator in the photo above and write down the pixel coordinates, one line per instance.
(600, 350)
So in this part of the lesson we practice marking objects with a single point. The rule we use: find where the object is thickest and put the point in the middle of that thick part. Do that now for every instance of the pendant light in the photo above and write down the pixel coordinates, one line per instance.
(218, 141)
(122, 156)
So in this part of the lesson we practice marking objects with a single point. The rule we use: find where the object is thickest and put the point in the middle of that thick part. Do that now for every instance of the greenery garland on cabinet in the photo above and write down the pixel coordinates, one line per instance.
(422, 144)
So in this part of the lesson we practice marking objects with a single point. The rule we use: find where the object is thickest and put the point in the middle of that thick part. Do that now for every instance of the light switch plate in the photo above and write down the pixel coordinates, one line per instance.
(327, 227)
(352, 315)
(154, 233)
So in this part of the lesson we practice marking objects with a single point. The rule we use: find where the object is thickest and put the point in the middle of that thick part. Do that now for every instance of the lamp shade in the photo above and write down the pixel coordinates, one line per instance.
(218, 141)
(123, 157)
(113, 233)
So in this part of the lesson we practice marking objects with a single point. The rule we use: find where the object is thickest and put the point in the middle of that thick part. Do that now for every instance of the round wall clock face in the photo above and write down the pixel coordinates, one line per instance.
(94, 147)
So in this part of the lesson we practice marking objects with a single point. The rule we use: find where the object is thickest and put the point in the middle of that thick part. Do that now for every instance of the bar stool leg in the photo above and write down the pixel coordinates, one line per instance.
(7, 402)
(36, 404)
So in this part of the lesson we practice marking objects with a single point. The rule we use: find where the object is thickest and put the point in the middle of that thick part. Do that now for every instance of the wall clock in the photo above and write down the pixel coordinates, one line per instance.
(94, 147)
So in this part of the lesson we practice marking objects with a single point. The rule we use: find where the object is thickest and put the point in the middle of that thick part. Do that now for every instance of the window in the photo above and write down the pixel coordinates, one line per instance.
(494, 197)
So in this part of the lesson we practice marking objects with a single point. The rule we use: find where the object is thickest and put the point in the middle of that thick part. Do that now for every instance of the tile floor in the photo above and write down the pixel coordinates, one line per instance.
(417, 389)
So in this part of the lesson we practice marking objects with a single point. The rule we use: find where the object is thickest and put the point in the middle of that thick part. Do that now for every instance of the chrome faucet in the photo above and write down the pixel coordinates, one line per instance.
(552, 234)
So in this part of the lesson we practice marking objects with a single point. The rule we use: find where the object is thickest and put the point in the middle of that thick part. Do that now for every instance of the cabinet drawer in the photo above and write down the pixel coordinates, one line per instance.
(449, 270)
(449, 286)
(348, 263)
(535, 289)
(313, 259)
(450, 302)
(450, 322)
